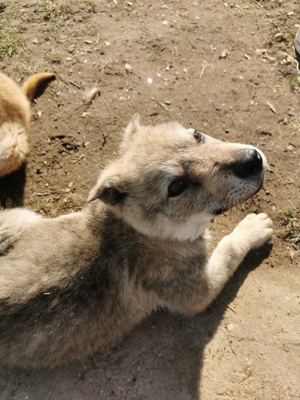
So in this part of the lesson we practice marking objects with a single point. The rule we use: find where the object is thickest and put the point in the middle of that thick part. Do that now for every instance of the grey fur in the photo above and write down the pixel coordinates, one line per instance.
(76, 284)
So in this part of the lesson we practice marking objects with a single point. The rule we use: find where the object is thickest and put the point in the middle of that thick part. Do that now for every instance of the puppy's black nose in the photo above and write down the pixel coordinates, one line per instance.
(250, 163)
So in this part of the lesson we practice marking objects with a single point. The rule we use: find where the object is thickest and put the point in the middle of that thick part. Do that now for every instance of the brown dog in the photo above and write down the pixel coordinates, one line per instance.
(76, 284)
(15, 117)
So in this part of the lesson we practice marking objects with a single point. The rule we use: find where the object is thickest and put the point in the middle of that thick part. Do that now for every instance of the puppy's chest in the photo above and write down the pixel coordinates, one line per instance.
(167, 262)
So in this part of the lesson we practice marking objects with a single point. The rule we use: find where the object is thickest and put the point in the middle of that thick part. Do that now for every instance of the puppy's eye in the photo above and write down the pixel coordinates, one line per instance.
(199, 136)
(177, 187)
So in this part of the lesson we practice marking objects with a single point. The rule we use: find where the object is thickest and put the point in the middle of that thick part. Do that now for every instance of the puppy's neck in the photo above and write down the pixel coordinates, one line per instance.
(161, 228)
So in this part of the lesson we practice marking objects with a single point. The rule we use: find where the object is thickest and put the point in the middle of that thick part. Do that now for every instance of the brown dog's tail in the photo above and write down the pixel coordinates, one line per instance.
(36, 84)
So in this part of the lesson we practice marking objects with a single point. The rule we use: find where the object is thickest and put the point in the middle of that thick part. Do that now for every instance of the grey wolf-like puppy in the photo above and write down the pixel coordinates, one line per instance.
(76, 284)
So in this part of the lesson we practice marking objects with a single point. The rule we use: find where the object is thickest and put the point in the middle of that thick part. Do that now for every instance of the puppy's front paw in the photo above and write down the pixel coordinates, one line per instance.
(253, 231)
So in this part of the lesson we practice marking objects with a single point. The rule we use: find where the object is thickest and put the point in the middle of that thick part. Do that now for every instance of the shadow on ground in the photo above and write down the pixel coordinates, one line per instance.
(12, 188)
(162, 358)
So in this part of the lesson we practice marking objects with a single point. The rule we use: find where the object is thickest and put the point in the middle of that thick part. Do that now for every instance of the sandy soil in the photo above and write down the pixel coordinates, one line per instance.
(226, 68)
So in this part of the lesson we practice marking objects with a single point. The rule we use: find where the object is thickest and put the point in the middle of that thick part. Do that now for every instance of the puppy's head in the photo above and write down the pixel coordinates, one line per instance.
(169, 182)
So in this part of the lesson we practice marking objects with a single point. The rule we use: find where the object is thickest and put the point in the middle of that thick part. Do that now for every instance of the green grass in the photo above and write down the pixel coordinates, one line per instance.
(291, 221)
(53, 57)
(22, 70)
(10, 39)
(294, 81)
(64, 8)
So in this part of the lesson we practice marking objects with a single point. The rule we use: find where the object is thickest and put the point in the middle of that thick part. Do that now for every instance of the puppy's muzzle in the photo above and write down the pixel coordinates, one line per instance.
(250, 163)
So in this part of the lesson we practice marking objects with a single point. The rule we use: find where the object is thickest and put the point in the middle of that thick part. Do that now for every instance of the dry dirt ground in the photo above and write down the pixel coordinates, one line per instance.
(226, 68)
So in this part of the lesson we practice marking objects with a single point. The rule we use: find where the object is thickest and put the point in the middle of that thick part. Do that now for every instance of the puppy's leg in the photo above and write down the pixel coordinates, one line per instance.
(252, 232)
(194, 288)
(13, 223)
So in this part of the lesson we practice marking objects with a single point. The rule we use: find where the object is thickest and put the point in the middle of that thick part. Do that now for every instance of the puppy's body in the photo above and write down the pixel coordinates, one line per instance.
(76, 284)
(15, 118)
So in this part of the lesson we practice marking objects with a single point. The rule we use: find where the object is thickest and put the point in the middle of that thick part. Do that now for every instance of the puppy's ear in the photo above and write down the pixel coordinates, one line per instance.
(133, 126)
(108, 192)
